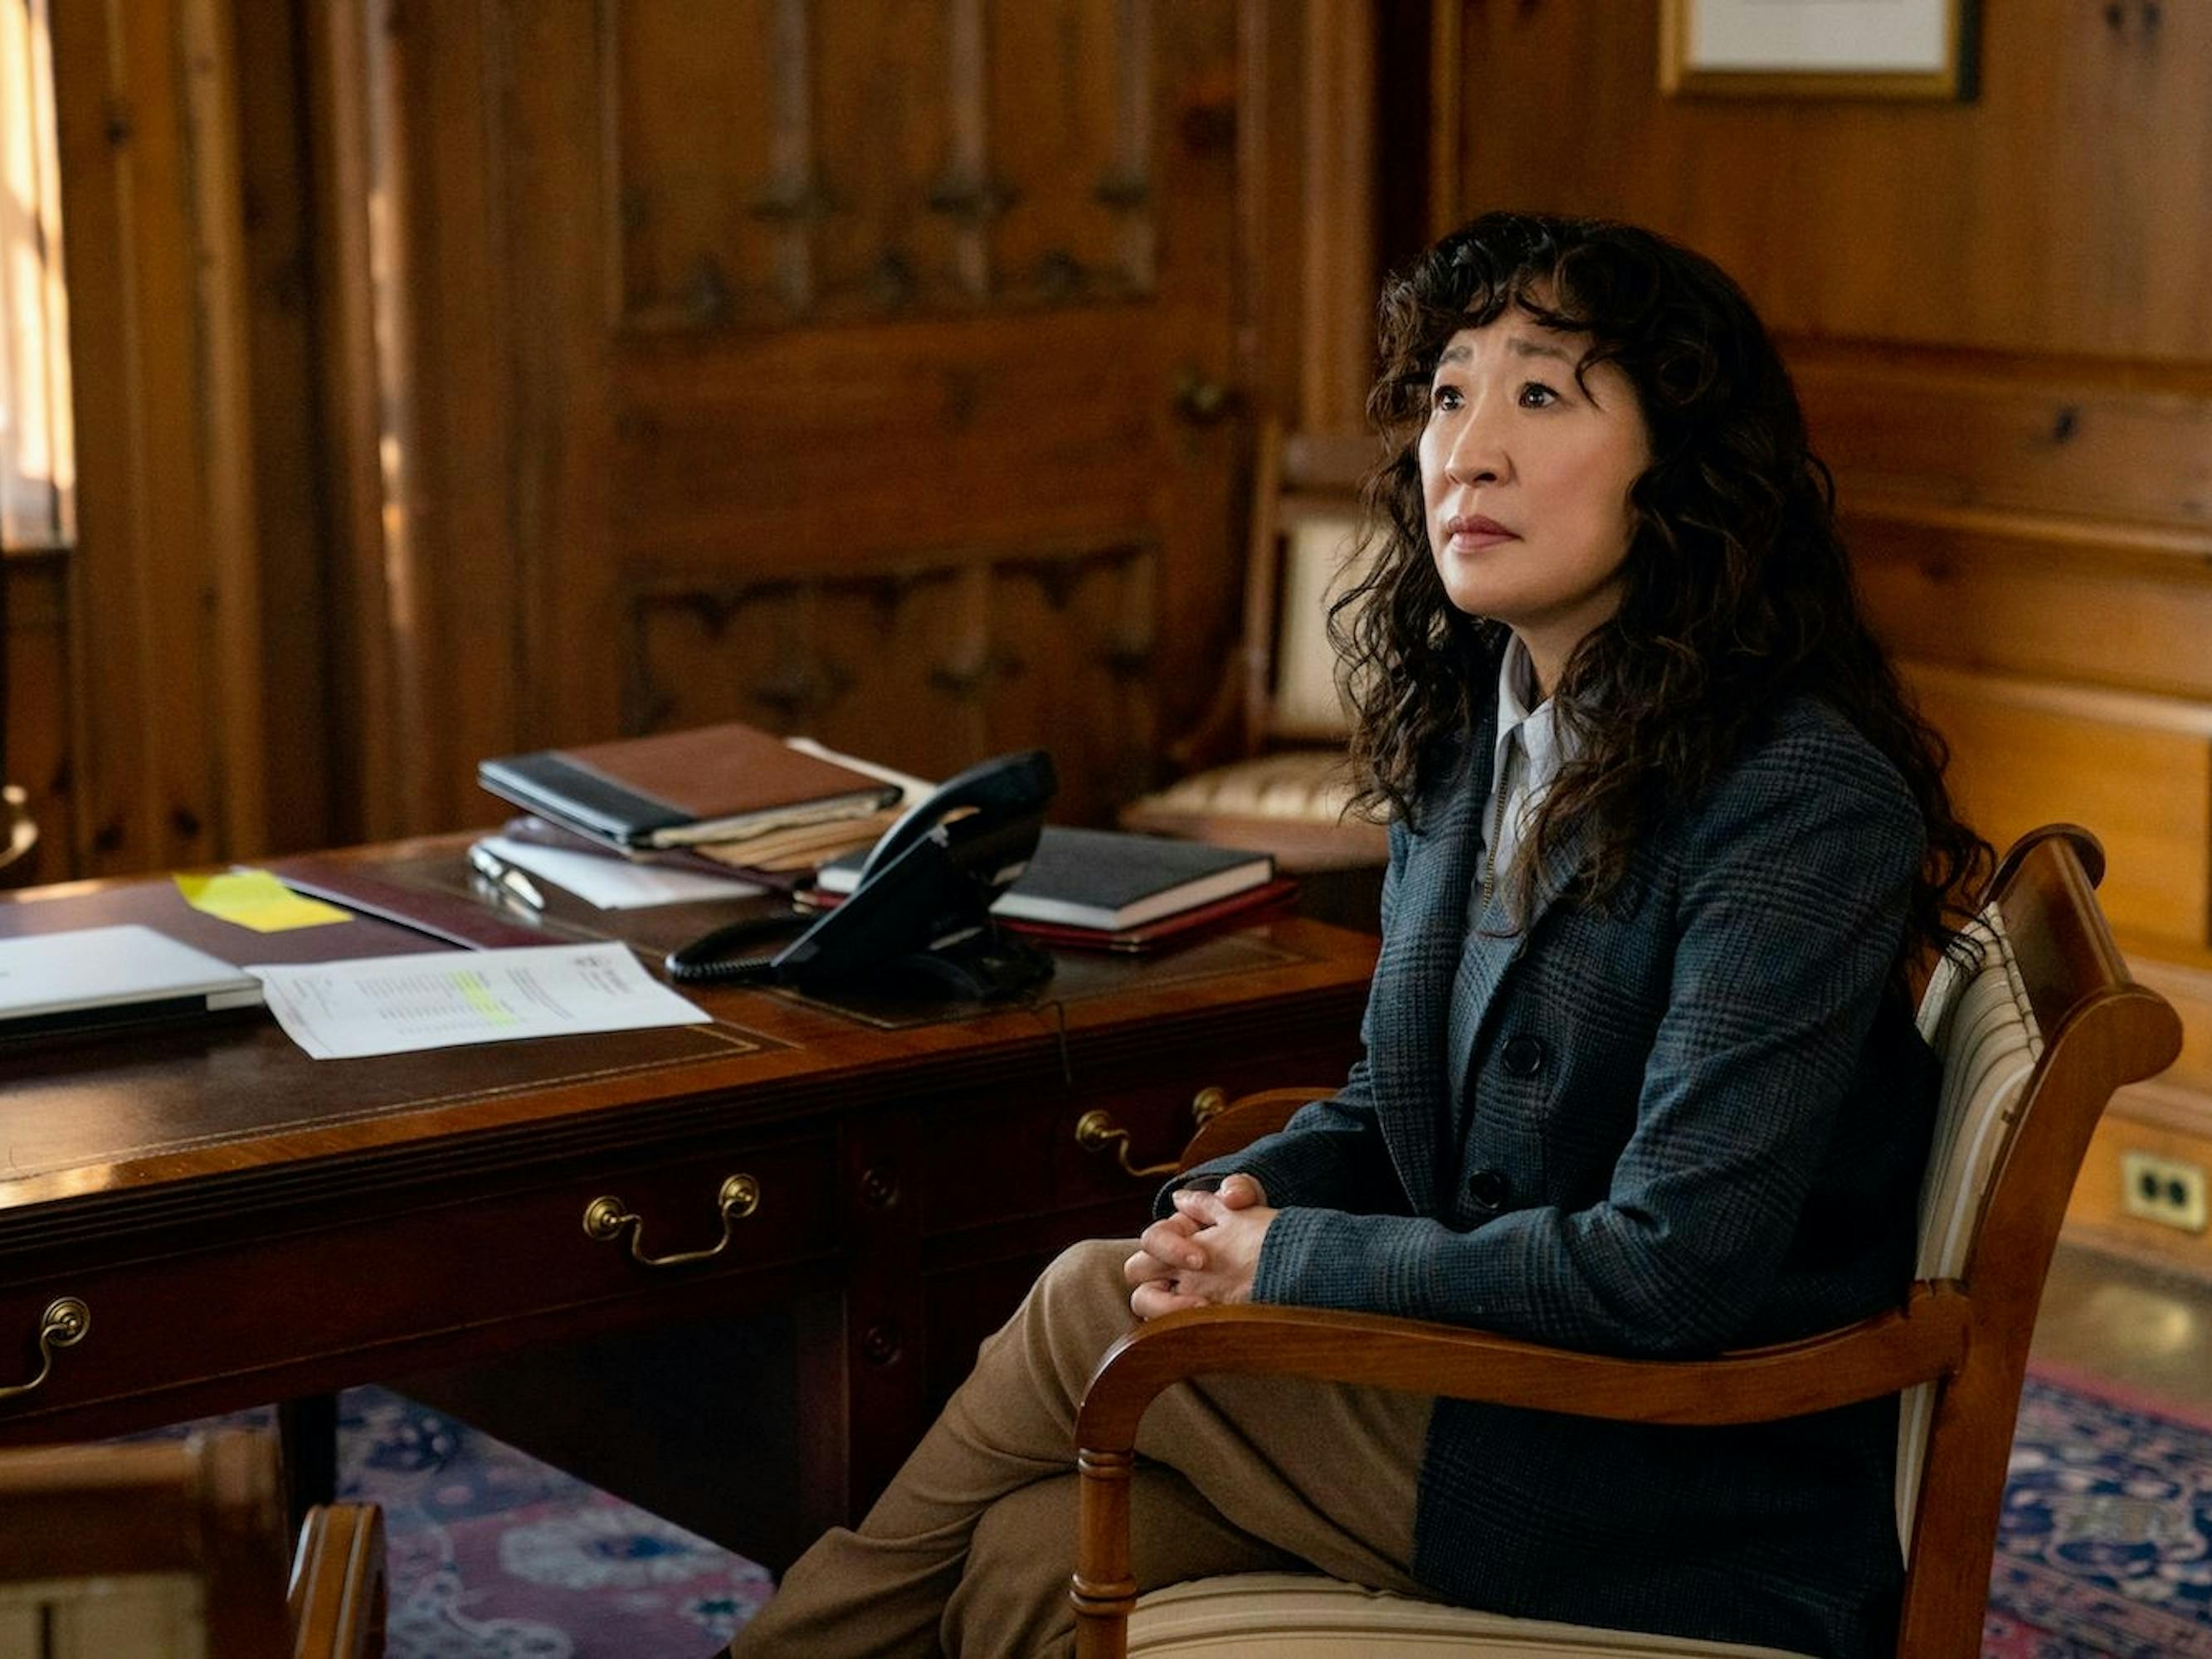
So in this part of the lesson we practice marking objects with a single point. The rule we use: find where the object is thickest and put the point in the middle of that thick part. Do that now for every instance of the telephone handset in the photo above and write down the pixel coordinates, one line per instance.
(919, 919)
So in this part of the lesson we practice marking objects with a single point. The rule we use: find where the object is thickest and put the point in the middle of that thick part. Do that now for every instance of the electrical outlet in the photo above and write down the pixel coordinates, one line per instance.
(2166, 1190)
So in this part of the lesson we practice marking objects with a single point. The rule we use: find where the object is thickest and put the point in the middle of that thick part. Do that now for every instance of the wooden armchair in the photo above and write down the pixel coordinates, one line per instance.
(167, 1549)
(2033, 1041)
(1265, 769)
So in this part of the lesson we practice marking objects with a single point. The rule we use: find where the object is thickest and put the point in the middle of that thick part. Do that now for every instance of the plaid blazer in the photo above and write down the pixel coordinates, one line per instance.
(1693, 1120)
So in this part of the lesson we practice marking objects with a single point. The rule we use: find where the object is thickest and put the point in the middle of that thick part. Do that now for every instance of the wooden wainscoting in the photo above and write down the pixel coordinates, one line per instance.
(2034, 539)
(2136, 768)
(2165, 1117)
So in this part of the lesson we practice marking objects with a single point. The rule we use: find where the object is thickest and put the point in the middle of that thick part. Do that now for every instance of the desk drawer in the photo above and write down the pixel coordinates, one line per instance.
(984, 1162)
(422, 1271)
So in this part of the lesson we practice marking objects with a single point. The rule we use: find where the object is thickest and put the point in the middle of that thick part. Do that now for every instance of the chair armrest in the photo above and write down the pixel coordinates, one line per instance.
(1923, 1340)
(338, 1588)
(1232, 1128)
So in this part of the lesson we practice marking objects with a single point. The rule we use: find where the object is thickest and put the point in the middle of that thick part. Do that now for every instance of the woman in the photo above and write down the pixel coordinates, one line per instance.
(1641, 1072)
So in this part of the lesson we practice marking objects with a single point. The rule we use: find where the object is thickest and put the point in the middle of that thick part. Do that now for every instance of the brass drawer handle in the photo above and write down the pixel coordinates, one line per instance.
(1096, 1132)
(66, 1322)
(605, 1218)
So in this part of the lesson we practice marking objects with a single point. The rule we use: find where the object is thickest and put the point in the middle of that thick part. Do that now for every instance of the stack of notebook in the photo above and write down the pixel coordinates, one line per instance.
(728, 798)
(736, 802)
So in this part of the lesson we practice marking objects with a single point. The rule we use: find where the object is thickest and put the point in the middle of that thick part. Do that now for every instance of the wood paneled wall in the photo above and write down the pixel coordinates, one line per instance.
(883, 370)
(458, 378)
(168, 696)
(1999, 315)
(2061, 211)
(165, 669)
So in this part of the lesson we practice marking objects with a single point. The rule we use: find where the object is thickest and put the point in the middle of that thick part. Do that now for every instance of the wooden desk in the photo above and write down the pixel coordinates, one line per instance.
(246, 1224)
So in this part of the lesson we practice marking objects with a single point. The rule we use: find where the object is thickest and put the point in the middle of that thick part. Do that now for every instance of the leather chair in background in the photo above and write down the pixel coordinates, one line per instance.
(1264, 770)
(2033, 1040)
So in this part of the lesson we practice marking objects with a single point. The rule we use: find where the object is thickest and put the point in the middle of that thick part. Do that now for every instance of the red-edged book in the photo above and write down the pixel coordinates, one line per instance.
(1238, 910)
(1106, 890)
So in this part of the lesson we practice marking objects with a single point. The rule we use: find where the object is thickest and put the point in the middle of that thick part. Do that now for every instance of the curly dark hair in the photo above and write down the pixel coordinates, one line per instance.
(1736, 592)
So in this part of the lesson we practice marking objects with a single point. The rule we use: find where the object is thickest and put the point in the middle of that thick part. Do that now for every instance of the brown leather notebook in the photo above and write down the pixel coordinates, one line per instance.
(716, 784)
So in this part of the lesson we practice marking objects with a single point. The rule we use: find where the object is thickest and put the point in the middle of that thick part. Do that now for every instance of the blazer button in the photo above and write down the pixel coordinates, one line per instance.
(1490, 1188)
(1523, 1055)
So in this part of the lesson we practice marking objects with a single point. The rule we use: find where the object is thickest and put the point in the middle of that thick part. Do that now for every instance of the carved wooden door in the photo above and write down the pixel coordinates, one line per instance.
(861, 368)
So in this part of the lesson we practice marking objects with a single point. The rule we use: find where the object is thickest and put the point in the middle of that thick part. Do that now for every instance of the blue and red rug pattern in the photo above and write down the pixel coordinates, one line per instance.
(494, 1555)
(2104, 1551)
(2105, 1545)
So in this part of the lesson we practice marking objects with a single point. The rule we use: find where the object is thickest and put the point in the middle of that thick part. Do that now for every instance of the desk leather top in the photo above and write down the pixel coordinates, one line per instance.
(106, 1114)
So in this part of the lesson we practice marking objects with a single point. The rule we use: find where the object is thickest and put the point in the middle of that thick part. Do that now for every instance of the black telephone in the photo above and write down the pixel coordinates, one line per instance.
(919, 921)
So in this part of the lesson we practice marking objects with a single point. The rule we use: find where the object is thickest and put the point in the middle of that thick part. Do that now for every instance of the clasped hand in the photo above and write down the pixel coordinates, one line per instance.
(1205, 1254)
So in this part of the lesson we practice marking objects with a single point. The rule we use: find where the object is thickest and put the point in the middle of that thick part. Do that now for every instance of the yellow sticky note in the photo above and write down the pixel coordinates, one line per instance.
(256, 899)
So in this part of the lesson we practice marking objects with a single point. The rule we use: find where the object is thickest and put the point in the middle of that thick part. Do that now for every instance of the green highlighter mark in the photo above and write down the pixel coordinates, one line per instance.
(481, 999)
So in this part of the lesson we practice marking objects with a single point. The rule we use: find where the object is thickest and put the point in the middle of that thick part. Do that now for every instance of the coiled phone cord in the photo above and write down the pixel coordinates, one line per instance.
(697, 963)
(732, 971)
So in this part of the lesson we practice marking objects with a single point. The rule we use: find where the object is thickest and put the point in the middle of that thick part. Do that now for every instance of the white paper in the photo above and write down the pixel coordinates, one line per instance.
(616, 884)
(442, 1000)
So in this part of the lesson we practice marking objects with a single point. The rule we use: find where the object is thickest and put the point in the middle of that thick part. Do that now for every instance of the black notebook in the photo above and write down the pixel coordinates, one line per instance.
(1106, 879)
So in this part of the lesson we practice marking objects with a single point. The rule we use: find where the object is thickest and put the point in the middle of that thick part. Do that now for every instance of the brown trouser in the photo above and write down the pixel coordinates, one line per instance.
(967, 1552)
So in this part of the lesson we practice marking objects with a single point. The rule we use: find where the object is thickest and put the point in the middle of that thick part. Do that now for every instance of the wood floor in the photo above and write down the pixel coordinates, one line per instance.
(2131, 1323)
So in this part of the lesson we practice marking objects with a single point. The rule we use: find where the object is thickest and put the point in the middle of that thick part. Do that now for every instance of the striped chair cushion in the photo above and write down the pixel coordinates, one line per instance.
(1981, 1023)
(1278, 1615)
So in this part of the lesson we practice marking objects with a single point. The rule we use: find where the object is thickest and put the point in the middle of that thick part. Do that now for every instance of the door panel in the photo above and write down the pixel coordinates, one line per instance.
(836, 351)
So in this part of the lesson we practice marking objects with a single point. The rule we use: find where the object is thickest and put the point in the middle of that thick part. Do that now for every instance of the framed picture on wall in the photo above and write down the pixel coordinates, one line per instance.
(1818, 48)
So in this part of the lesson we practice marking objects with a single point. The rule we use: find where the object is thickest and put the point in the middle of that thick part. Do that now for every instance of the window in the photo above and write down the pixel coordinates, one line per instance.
(37, 506)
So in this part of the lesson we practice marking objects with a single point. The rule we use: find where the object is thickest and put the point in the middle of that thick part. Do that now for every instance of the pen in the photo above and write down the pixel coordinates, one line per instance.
(505, 877)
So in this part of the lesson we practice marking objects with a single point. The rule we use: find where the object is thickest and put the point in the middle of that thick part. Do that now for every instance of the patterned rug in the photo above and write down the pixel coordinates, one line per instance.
(2105, 1547)
(492, 1554)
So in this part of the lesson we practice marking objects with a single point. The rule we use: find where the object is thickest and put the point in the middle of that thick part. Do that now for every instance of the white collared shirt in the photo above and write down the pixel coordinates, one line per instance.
(1535, 731)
